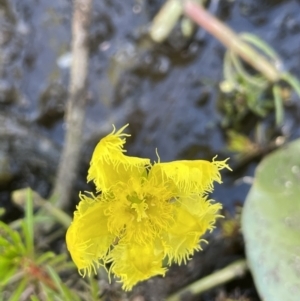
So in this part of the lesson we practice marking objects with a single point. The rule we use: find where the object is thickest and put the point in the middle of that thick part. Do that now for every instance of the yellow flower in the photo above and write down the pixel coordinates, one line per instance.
(143, 213)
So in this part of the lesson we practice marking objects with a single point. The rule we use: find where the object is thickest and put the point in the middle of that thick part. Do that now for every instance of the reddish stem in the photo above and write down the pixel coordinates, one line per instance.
(230, 39)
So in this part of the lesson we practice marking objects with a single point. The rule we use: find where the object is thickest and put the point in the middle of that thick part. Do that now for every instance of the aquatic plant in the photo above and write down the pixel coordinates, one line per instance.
(271, 225)
(142, 214)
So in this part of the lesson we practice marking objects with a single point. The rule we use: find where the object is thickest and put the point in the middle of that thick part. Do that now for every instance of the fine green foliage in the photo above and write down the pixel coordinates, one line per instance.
(271, 225)
(260, 95)
(26, 272)
(146, 213)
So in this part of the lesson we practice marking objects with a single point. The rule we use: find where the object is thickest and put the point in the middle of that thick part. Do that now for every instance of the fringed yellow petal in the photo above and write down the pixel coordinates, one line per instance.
(182, 239)
(188, 177)
(133, 263)
(194, 217)
(205, 211)
(106, 175)
(180, 248)
(110, 166)
(88, 239)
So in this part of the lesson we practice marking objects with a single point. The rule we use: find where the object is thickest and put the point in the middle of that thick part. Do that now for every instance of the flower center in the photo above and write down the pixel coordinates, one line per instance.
(139, 205)
(134, 199)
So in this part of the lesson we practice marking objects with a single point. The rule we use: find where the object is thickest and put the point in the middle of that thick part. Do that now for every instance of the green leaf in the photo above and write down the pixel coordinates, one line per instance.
(271, 225)
(11, 244)
(16, 295)
(6, 275)
(64, 291)
(45, 257)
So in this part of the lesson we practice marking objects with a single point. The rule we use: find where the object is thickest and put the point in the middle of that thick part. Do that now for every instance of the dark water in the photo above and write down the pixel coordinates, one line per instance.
(168, 93)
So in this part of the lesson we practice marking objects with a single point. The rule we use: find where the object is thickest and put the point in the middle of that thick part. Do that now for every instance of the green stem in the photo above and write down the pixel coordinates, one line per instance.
(234, 270)
(279, 110)
(28, 222)
(292, 81)
(165, 20)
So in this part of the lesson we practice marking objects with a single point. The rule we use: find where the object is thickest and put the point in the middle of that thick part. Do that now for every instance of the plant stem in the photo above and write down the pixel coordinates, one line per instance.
(75, 110)
(232, 271)
(28, 223)
(230, 39)
(166, 19)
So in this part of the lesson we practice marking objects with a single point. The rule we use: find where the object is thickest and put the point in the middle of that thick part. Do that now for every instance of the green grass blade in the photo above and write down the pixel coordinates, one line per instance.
(49, 294)
(256, 81)
(93, 288)
(260, 44)
(58, 260)
(28, 223)
(64, 291)
(16, 296)
(45, 257)
(293, 81)
(279, 111)
(6, 277)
